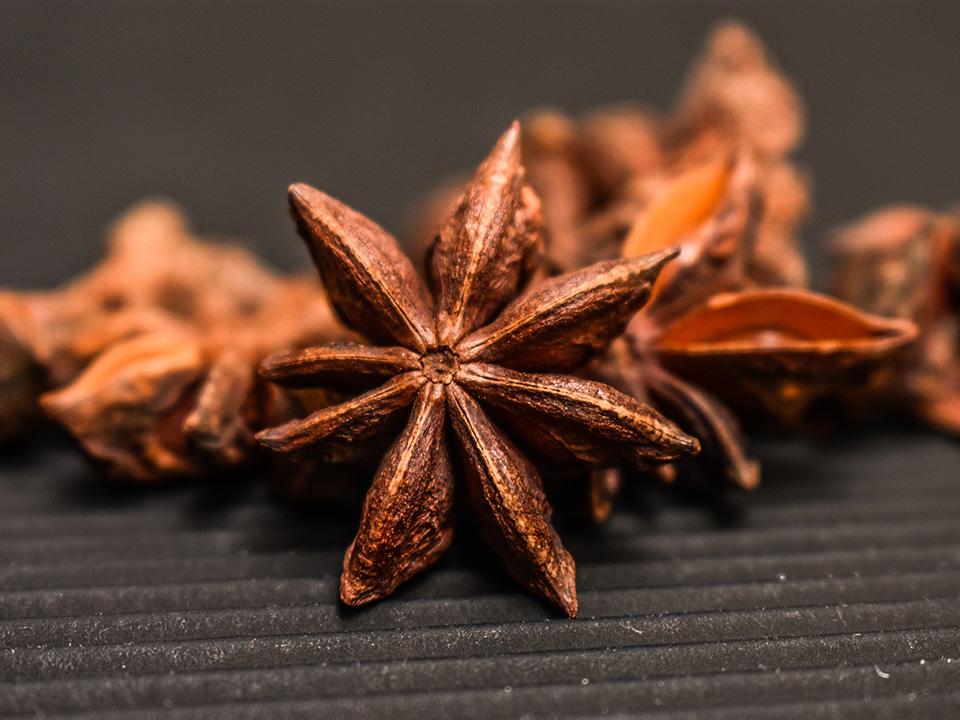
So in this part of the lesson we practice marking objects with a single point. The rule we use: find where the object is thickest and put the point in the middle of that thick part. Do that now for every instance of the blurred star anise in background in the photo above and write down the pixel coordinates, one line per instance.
(904, 262)
(150, 359)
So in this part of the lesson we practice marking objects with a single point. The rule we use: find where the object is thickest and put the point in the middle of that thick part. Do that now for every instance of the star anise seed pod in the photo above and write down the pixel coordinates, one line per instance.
(780, 351)
(736, 90)
(709, 337)
(597, 174)
(156, 276)
(186, 401)
(150, 359)
(902, 262)
(478, 348)
(771, 353)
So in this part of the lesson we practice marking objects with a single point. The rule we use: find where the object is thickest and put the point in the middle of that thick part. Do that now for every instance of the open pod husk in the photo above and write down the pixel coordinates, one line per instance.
(782, 350)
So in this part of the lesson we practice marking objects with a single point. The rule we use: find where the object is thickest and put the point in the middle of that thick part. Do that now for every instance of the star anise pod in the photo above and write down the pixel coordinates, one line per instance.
(156, 276)
(736, 90)
(187, 400)
(152, 356)
(481, 350)
(710, 337)
(156, 271)
(903, 261)
(48, 337)
(596, 174)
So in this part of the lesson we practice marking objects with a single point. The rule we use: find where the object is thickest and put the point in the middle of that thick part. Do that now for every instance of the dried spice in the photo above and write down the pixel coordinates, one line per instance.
(628, 267)
(596, 174)
(152, 356)
(481, 353)
(902, 262)
(182, 401)
(735, 90)
(709, 337)
(155, 273)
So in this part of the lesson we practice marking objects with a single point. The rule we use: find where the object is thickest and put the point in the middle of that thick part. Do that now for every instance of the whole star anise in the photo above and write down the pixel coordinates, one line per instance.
(710, 337)
(186, 401)
(596, 174)
(49, 337)
(150, 359)
(474, 353)
(904, 261)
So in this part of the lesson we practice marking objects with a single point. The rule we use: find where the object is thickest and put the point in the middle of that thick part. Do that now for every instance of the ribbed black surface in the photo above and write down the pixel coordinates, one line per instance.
(835, 592)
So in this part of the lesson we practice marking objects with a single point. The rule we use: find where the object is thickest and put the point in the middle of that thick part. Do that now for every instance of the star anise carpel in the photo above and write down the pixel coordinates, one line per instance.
(486, 356)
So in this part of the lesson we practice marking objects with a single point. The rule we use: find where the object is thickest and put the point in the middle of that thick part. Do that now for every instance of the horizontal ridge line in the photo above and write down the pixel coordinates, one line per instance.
(786, 583)
(579, 622)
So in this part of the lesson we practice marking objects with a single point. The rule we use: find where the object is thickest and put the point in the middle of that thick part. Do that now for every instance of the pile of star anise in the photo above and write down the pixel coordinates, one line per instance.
(603, 297)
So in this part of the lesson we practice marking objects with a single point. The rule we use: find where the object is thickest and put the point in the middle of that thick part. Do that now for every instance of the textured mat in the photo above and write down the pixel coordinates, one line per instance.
(834, 592)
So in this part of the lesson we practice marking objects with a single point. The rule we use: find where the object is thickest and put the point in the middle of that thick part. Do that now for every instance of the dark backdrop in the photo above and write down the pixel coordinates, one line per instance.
(221, 104)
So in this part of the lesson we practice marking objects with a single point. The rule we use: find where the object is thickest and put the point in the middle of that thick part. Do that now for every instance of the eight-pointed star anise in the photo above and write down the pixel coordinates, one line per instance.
(475, 351)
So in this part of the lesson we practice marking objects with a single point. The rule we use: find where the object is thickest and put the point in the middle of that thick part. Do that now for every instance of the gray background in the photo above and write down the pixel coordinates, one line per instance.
(221, 104)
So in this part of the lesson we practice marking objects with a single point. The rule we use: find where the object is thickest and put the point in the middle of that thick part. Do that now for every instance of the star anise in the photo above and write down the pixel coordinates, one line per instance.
(903, 261)
(187, 400)
(715, 178)
(50, 336)
(710, 336)
(481, 350)
(596, 174)
(156, 271)
(152, 356)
